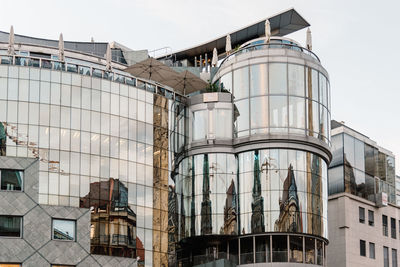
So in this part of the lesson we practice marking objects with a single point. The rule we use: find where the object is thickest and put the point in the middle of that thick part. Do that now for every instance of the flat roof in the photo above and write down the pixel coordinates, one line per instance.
(284, 23)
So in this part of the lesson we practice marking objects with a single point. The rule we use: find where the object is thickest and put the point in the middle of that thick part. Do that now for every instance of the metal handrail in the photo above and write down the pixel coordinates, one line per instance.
(270, 45)
(86, 70)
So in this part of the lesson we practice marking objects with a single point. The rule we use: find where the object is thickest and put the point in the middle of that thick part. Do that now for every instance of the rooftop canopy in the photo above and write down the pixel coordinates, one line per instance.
(281, 24)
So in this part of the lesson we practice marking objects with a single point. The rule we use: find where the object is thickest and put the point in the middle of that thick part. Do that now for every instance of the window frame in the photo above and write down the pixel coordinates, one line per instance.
(371, 222)
(361, 214)
(384, 226)
(20, 227)
(363, 248)
(372, 255)
(393, 230)
(63, 219)
(22, 182)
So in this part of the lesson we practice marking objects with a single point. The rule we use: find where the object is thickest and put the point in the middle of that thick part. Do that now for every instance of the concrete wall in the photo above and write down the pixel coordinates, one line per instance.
(346, 231)
(36, 248)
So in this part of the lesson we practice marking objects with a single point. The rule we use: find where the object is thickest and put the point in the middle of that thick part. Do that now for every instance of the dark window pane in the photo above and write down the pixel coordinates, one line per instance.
(296, 249)
(246, 250)
(361, 212)
(393, 227)
(310, 250)
(371, 218)
(64, 230)
(394, 257)
(11, 180)
(10, 226)
(385, 257)
(262, 249)
(362, 248)
(233, 251)
(372, 250)
(279, 248)
(384, 225)
(319, 252)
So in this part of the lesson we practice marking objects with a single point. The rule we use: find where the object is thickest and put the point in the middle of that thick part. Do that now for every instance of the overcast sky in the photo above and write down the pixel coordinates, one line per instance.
(357, 42)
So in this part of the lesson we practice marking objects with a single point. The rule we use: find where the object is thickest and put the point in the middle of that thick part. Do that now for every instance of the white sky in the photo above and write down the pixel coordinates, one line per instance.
(357, 42)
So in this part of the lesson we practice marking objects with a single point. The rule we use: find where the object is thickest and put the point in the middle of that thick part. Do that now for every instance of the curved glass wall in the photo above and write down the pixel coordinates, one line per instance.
(279, 98)
(101, 145)
(269, 190)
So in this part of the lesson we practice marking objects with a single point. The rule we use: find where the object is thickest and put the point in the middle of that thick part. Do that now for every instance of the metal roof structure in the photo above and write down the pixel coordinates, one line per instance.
(282, 24)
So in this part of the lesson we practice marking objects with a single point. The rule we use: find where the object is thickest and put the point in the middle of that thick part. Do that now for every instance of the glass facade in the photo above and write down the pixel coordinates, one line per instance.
(102, 145)
(280, 98)
(360, 169)
(271, 190)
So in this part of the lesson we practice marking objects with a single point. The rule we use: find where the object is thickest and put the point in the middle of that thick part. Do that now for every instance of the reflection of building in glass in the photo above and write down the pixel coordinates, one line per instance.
(230, 211)
(252, 178)
(158, 168)
(113, 223)
(290, 210)
(206, 222)
(257, 206)
(362, 197)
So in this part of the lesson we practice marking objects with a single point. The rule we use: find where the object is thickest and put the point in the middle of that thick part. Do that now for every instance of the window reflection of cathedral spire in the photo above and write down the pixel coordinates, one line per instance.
(257, 206)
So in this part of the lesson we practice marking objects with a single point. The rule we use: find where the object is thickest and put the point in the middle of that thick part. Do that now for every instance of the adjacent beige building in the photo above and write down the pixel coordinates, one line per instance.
(364, 220)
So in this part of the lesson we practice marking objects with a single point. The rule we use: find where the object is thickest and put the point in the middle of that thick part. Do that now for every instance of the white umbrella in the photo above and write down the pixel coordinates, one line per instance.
(309, 40)
(11, 50)
(108, 58)
(214, 60)
(61, 48)
(267, 31)
(228, 45)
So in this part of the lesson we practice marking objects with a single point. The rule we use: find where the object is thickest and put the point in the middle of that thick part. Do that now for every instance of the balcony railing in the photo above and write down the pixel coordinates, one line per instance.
(269, 46)
(86, 70)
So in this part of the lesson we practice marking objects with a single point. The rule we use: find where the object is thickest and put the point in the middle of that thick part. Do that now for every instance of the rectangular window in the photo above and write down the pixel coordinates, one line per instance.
(372, 250)
(64, 230)
(393, 227)
(385, 257)
(362, 248)
(11, 180)
(394, 257)
(361, 214)
(371, 218)
(10, 226)
(384, 225)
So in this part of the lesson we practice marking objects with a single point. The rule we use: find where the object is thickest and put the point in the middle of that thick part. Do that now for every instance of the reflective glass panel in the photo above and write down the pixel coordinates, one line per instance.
(241, 83)
(278, 78)
(258, 80)
(64, 230)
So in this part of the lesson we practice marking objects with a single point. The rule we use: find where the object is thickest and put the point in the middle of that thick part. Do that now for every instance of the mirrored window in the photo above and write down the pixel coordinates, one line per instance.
(10, 226)
(11, 180)
(64, 229)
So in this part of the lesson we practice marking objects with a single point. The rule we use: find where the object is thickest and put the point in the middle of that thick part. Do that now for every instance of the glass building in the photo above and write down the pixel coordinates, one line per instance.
(99, 167)
(359, 166)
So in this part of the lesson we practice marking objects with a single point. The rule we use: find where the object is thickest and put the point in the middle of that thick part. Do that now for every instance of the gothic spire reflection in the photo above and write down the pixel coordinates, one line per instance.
(290, 210)
(206, 224)
(257, 206)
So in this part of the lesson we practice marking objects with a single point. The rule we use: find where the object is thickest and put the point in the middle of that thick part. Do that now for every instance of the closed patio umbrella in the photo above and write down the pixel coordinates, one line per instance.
(228, 45)
(11, 50)
(214, 60)
(61, 48)
(309, 39)
(267, 31)
(108, 58)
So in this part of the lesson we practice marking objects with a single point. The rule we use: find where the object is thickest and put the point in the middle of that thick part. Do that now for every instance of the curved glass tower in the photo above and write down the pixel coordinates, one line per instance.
(251, 184)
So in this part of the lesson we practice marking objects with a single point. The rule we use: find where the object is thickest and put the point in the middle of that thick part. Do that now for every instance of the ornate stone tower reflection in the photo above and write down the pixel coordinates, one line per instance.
(230, 211)
(206, 223)
(290, 210)
(257, 206)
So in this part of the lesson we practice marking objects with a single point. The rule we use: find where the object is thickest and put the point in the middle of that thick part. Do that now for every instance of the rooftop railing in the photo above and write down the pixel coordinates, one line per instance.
(272, 45)
(87, 70)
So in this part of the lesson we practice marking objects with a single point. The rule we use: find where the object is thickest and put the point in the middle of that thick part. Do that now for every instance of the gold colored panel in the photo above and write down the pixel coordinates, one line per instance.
(156, 219)
(156, 240)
